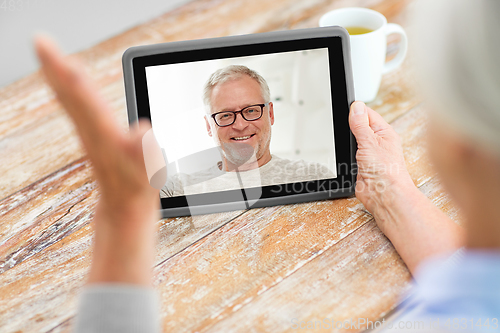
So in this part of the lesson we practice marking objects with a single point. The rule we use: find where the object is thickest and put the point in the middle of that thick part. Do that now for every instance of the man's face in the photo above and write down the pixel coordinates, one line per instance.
(235, 95)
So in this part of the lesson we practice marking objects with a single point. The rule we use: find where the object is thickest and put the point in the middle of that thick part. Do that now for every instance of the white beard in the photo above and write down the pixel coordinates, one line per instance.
(239, 153)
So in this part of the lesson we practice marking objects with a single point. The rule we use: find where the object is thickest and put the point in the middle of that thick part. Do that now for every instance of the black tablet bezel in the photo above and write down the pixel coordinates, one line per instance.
(336, 39)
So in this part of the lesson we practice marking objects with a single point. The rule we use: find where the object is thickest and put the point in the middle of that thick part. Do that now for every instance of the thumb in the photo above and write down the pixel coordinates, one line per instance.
(359, 121)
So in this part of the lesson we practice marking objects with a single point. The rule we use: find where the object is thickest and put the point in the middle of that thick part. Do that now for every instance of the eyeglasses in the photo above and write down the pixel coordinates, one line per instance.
(250, 113)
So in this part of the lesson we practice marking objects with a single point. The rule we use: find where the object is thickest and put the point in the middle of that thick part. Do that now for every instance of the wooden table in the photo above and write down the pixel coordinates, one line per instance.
(244, 271)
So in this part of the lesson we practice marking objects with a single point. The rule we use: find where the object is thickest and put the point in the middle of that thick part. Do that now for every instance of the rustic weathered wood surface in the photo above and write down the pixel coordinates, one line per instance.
(243, 271)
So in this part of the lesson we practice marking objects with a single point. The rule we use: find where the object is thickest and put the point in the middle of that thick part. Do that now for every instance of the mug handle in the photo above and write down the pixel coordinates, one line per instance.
(392, 28)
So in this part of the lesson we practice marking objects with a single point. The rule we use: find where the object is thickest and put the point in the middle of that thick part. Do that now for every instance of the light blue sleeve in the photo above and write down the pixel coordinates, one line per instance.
(119, 308)
(457, 292)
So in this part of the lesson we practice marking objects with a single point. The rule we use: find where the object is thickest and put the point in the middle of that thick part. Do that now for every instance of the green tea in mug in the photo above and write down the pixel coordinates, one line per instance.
(357, 30)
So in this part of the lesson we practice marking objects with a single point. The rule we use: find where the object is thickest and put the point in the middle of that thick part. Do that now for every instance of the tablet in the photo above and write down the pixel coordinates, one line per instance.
(247, 121)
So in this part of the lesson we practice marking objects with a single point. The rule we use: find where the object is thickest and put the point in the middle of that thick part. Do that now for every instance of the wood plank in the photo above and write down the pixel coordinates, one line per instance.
(177, 234)
(39, 292)
(367, 282)
(313, 292)
(397, 93)
(433, 190)
(61, 203)
(254, 264)
(28, 110)
(196, 19)
(64, 327)
(36, 137)
(331, 288)
(45, 212)
(256, 252)
(248, 256)
(412, 129)
(72, 148)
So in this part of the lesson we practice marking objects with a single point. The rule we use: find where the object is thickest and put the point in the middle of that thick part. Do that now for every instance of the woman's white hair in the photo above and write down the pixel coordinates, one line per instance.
(230, 73)
(458, 47)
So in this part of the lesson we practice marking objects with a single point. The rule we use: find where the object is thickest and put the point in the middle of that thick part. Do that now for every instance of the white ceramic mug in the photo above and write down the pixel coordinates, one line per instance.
(368, 50)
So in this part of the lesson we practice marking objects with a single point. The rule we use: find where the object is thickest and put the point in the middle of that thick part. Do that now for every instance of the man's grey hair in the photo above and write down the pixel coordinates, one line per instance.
(230, 73)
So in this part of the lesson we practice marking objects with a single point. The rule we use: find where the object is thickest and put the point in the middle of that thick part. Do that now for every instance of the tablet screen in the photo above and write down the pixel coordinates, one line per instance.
(243, 123)
(292, 139)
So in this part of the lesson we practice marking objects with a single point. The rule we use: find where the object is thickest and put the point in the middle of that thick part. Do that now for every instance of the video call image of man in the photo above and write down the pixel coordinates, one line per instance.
(239, 117)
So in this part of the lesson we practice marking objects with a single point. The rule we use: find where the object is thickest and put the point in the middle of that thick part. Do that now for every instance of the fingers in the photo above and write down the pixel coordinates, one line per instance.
(90, 114)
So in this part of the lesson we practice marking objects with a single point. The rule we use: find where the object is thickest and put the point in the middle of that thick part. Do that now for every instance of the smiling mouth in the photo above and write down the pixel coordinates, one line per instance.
(242, 138)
